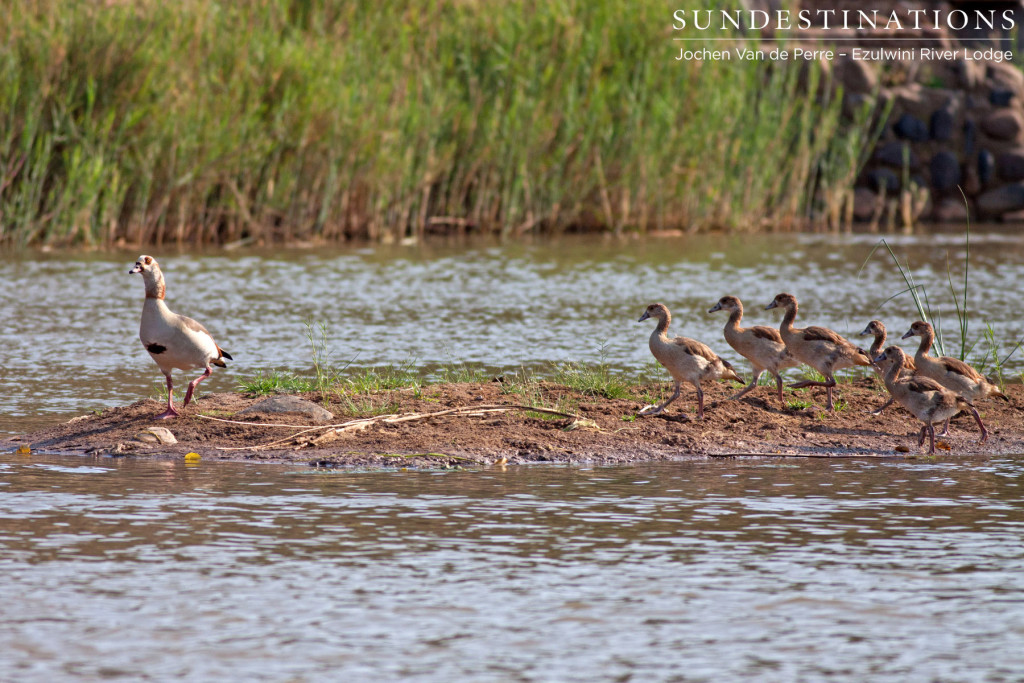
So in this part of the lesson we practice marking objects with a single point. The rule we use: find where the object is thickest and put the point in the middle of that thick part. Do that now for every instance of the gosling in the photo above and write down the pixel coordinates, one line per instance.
(952, 373)
(687, 360)
(821, 348)
(926, 399)
(876, 329)
(762, 346)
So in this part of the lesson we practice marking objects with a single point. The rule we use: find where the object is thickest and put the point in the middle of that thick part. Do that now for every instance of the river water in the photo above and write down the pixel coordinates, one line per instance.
(135, 569)
(70, 340)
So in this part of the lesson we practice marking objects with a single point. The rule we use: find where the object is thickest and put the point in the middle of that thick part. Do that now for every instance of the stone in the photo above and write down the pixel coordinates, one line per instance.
(970, 137)
(1002, 200)
(897, 154)
(940, 126)
(986, 166)
(156, 435)
(857, 76)
(865, 203)
(951, 210)
(910, 128)
(1000, 97)
(945, 170)
(289, 404)
(1006, 75)
(1010, 164)
(1003, 124)
(883, 180)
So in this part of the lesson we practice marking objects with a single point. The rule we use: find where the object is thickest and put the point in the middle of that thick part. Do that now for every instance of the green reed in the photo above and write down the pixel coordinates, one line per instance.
(280, 120)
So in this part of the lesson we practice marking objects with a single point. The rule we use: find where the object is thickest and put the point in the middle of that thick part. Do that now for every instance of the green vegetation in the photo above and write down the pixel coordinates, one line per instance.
(279, 120)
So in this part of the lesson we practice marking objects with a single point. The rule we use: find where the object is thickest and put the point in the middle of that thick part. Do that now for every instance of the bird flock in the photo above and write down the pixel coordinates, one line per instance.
(931, 389)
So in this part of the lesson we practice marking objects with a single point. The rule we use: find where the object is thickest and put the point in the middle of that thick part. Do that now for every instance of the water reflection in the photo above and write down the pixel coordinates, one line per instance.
(881, 570)
(71, 321)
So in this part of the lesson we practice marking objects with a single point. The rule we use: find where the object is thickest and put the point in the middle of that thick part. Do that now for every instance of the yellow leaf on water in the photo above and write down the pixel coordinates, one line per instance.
(942, 445)
(501, 461)
(24, 450)
(192, 457)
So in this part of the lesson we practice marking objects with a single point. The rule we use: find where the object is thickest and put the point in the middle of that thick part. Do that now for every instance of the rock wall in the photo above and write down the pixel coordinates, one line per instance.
(952, 124)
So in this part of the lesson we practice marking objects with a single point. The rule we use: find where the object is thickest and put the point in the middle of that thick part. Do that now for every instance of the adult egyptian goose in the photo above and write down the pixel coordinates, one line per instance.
(173, 340)
(876, 329)
(926, 399)
(762, 346)
(687, 360)
(819, 347)
(952, 373)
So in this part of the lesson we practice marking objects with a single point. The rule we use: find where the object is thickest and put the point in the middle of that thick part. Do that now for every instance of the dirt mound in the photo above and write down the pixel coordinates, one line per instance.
(461, 424)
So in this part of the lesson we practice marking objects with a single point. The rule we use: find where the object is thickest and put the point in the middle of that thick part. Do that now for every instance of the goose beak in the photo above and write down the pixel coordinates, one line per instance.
(866, 332)
(716, 307)
(908, 335)
(136, 269)
(644, 317)
(771, 305)
(878, 359)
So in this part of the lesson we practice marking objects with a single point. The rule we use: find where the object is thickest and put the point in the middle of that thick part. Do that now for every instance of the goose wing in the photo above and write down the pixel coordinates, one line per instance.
(696, 348)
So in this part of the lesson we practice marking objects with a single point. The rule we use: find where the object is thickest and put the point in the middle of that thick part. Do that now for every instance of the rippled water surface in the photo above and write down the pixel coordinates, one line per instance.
(70, 339)
(769, 570)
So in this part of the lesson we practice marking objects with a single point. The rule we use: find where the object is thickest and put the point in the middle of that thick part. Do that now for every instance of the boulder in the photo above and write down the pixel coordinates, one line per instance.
(951, 210)
(986, 166)
(897, 154)
(1000, 97)
(289, 404)
(911, 128)
(945, 170)
(865, 202)
(940, 126)
(970, 137)
(857, 76)
(883, 180)
(1010, 164)
(1002, 199)
(1003, 124)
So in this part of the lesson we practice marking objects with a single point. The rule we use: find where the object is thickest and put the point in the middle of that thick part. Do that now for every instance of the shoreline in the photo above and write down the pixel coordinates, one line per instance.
(479, 424)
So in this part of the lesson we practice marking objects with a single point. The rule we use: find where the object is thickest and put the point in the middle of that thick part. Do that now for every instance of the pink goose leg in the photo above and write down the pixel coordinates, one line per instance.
(170, 412)
(194, 383)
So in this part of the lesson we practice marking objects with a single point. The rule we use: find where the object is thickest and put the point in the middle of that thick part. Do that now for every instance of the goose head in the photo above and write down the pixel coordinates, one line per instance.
(875, 328)
(783, 300)
(726, 303)
(892, 355)
(145, 265)
(659, 311)
(919, 329)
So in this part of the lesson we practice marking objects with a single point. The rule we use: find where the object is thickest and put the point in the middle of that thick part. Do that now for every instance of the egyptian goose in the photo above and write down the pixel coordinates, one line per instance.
(876, 329)
(173, 340)
(926, 399)
(687, 360)
(819, 347)
(762, 346)
(952, 373)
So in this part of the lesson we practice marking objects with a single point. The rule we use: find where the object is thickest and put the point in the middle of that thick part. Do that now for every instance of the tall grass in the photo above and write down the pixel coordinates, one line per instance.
(206, 121)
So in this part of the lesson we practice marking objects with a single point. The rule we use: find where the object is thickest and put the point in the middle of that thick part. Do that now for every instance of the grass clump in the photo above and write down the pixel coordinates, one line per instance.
(276, 120)
(274, 382)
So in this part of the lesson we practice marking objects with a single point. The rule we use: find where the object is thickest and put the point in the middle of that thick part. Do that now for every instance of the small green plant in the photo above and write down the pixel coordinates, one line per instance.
(383, 378)
(629, 418)
(798, 404)
(458, 371)
(367, 406)
(593, 380)
(274, 382)
(159, 392)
